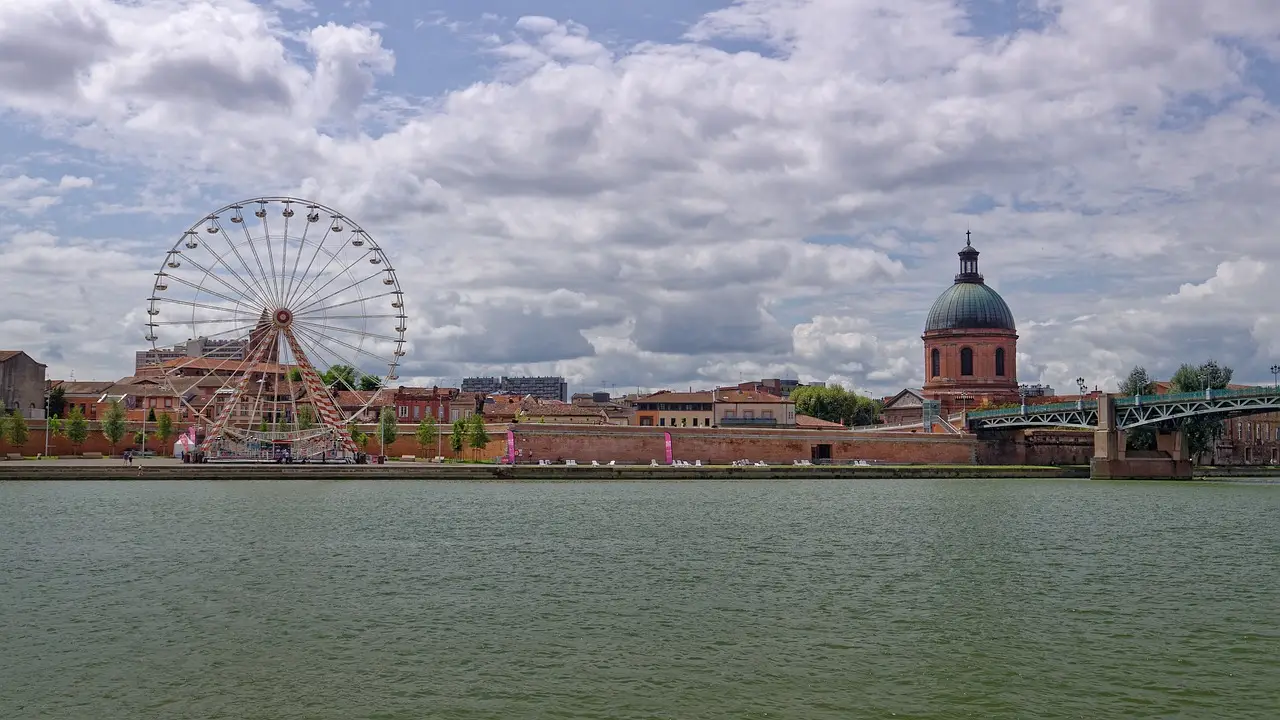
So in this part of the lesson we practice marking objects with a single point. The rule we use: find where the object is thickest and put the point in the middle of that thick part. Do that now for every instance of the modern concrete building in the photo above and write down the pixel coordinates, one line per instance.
(970, 343)
(737, 408)
(194, 348)
(673, 409)
(544, 388)
(22, 384)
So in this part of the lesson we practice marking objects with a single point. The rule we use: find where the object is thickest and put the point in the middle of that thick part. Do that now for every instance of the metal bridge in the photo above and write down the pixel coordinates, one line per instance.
(1132, 411)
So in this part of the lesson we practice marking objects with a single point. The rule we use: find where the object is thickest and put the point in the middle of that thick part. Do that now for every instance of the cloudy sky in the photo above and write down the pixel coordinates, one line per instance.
(669, 192)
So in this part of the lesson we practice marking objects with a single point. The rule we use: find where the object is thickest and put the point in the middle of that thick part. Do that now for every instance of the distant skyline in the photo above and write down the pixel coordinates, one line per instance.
(672, 193)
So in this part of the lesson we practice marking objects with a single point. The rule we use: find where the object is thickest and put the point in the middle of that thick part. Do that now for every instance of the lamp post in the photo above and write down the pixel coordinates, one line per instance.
(47, 393)
(1084, 389)
(1275, 371)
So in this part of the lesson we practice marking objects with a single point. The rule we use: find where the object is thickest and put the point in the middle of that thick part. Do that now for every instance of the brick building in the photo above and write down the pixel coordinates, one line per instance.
(414, 404)
(970, 343)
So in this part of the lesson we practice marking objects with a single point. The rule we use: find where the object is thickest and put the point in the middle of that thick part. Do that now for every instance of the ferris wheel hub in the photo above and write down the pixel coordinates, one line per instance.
(283, 317)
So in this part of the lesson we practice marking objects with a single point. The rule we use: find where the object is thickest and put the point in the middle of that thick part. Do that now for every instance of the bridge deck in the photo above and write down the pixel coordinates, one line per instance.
(1132, 411)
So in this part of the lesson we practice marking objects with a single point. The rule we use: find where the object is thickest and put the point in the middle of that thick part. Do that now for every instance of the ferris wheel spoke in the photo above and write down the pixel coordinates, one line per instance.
(311, 310)
(191, 244)
(302, 244)
(316, 253)
(209, 273)
(204, 306)
(259, 284)
(261, 213)
(337, 328)
(302, 300)
(324, 336)
(323, 350)
(257, 258)
(353, 286)
(203, 289)
(329, 393)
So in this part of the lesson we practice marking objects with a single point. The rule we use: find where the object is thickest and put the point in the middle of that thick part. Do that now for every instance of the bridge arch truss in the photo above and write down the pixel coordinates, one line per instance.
(1134, 411)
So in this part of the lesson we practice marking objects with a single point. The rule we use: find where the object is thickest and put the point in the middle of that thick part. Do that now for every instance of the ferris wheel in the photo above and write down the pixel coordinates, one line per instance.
(276, 322)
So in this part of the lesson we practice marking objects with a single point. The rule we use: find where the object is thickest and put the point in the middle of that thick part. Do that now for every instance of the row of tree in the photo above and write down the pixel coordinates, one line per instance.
(15, 431)
(1202, 432)
(835, 404)
(470, 432)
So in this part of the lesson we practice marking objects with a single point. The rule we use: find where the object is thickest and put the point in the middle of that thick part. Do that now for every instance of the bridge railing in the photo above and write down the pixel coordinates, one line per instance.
(1035, 409)
(1132, 400)
(1128, 401)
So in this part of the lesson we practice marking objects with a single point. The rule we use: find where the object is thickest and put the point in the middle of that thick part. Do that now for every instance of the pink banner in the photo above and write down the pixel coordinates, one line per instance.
(511, 447)
(667, 435)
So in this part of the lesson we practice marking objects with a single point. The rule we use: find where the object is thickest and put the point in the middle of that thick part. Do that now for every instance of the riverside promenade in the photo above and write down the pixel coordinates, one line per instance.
(168, 469)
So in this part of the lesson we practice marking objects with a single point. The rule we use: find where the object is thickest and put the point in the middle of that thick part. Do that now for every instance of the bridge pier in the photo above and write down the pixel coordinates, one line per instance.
(1111, 461)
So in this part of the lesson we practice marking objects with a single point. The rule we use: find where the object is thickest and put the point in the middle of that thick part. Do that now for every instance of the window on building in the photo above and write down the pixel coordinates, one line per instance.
(417, 411)
(695, 422)
(706, 422)
(662, 422)
(730, 413)
(748, 414)
(403, 411)
(766, 414)
(935, 363)
(966, 361)
(168, 402)
(999, 362)
(646, 422)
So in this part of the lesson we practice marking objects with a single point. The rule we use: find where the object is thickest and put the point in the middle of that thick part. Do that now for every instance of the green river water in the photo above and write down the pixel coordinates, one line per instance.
(821, 599)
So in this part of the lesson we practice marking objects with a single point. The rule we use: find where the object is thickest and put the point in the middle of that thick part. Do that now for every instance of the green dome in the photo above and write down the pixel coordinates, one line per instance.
(967, 306)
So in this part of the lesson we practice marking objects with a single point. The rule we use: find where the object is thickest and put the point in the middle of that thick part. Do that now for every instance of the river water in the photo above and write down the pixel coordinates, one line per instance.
(822, 599)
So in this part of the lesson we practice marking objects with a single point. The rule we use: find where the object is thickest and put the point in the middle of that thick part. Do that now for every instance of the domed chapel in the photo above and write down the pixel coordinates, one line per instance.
(970, 342)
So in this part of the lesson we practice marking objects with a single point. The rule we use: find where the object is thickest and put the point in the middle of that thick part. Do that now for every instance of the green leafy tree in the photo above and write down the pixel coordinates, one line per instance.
(306, 417)
(458, 438)
(835, 404)
(77, 429)
(1139, 382)
(57, 426)
(113, 425)
(362, 439)
(295, 375)
(1202, 432)
(340, 377)
(427, 433)
(151, 415)
(370, 382)
(164, 429)
(264, 427)
(388, 426)
(16, 431)
(477, 435)
(4, 426)
(57, 402)
(139, 438)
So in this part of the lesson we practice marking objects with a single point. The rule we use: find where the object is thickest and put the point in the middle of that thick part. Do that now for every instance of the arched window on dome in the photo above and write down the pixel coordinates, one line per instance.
(999, 362)
(966, 361)
(935, 363)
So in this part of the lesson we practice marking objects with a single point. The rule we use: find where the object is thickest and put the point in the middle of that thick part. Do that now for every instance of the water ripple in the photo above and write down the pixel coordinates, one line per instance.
(920, 599)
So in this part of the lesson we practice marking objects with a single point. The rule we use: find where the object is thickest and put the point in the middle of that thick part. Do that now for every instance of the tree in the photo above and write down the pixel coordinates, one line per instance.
(340, 377)
(458, 438)
(295, 375)
(306, 417)
(139, 438)
(57, 402)
(4, 427)
(113, 428)
(151, 415)
(164, 429)
(15, 430)
(57, 427)
(1202, 432)
(388, 426)
(1139, 382)
(370, 382)
(477, 435)
(77, 429)
(427, 433)
(835, 404)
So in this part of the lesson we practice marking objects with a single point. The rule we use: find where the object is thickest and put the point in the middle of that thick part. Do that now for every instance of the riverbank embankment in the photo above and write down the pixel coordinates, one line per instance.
(153, 469)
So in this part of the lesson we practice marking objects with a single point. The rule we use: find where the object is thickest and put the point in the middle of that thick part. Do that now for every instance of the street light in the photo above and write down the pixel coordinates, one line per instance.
(1084, 389)
(1275, 371)
(47, 394)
